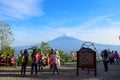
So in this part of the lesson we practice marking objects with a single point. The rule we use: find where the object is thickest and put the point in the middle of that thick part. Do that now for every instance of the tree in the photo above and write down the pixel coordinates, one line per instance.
(34, 47)
(6, 35)
(8, 50)
(64, 56)
(45, 47)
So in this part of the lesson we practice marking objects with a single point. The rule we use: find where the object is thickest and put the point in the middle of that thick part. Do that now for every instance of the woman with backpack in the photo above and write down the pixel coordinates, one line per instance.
(24, 60)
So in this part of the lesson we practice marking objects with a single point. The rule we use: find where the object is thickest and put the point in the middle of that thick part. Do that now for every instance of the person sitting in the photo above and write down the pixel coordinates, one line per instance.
(1, 58)
(8, 59)
(12, 62)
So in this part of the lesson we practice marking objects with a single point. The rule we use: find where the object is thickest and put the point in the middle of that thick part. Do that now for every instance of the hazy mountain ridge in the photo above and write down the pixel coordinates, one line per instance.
(68, 43)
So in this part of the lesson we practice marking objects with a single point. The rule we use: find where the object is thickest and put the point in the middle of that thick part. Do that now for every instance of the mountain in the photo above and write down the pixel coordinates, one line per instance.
(67, 43)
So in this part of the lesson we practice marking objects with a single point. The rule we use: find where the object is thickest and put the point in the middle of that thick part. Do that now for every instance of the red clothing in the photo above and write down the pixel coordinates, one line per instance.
(35, 58)
(116, 56)
(26, 59)
(1, 61)
(40, 56)
(51, 58)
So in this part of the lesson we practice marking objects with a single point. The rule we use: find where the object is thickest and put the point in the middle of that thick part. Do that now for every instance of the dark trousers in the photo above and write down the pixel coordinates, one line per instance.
(40, 65)
(33, 65)
(51, 67)
(55, 68)
(111, 60)
(23, 68)
(105, 65)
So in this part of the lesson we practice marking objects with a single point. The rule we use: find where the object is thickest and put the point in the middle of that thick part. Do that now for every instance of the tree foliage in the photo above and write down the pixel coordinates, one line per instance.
(45, 47)
(63, 56)
(34, 47)
(6, 35)
(7, 50)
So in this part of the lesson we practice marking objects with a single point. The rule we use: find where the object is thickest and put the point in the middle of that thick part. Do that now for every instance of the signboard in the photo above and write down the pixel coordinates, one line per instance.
(86, 58)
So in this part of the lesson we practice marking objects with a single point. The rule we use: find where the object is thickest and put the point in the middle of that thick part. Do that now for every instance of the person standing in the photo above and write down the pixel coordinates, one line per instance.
(105, 59)
(15, 60)
(116, 56)
(55, 62)
(51, 58)
(21, 60)
(46, 59)
(41, 59)
(34, 63)
(24, 60)
(8, 59)
(58, 58)
(111, 57)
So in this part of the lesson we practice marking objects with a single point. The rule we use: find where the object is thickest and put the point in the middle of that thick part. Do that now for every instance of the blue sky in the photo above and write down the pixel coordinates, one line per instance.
(34, 21)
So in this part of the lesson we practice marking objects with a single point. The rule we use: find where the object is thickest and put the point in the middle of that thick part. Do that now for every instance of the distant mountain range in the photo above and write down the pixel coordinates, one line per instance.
(67, 43)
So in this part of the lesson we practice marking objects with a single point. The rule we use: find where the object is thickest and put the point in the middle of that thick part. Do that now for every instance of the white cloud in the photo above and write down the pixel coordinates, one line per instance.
(99, 35)
(91, 30)
(107, 34)
(93, 21)
(20, 9)
(27, 36)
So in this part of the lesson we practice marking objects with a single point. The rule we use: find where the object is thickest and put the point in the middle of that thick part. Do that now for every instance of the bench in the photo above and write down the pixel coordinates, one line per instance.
(3, 64)
(7, 64)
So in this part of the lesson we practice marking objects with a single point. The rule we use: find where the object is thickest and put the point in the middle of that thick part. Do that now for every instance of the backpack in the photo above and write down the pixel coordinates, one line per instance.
(21, 58)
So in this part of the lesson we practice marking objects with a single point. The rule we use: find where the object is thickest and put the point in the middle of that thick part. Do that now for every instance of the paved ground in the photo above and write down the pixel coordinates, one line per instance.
(67, 72)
